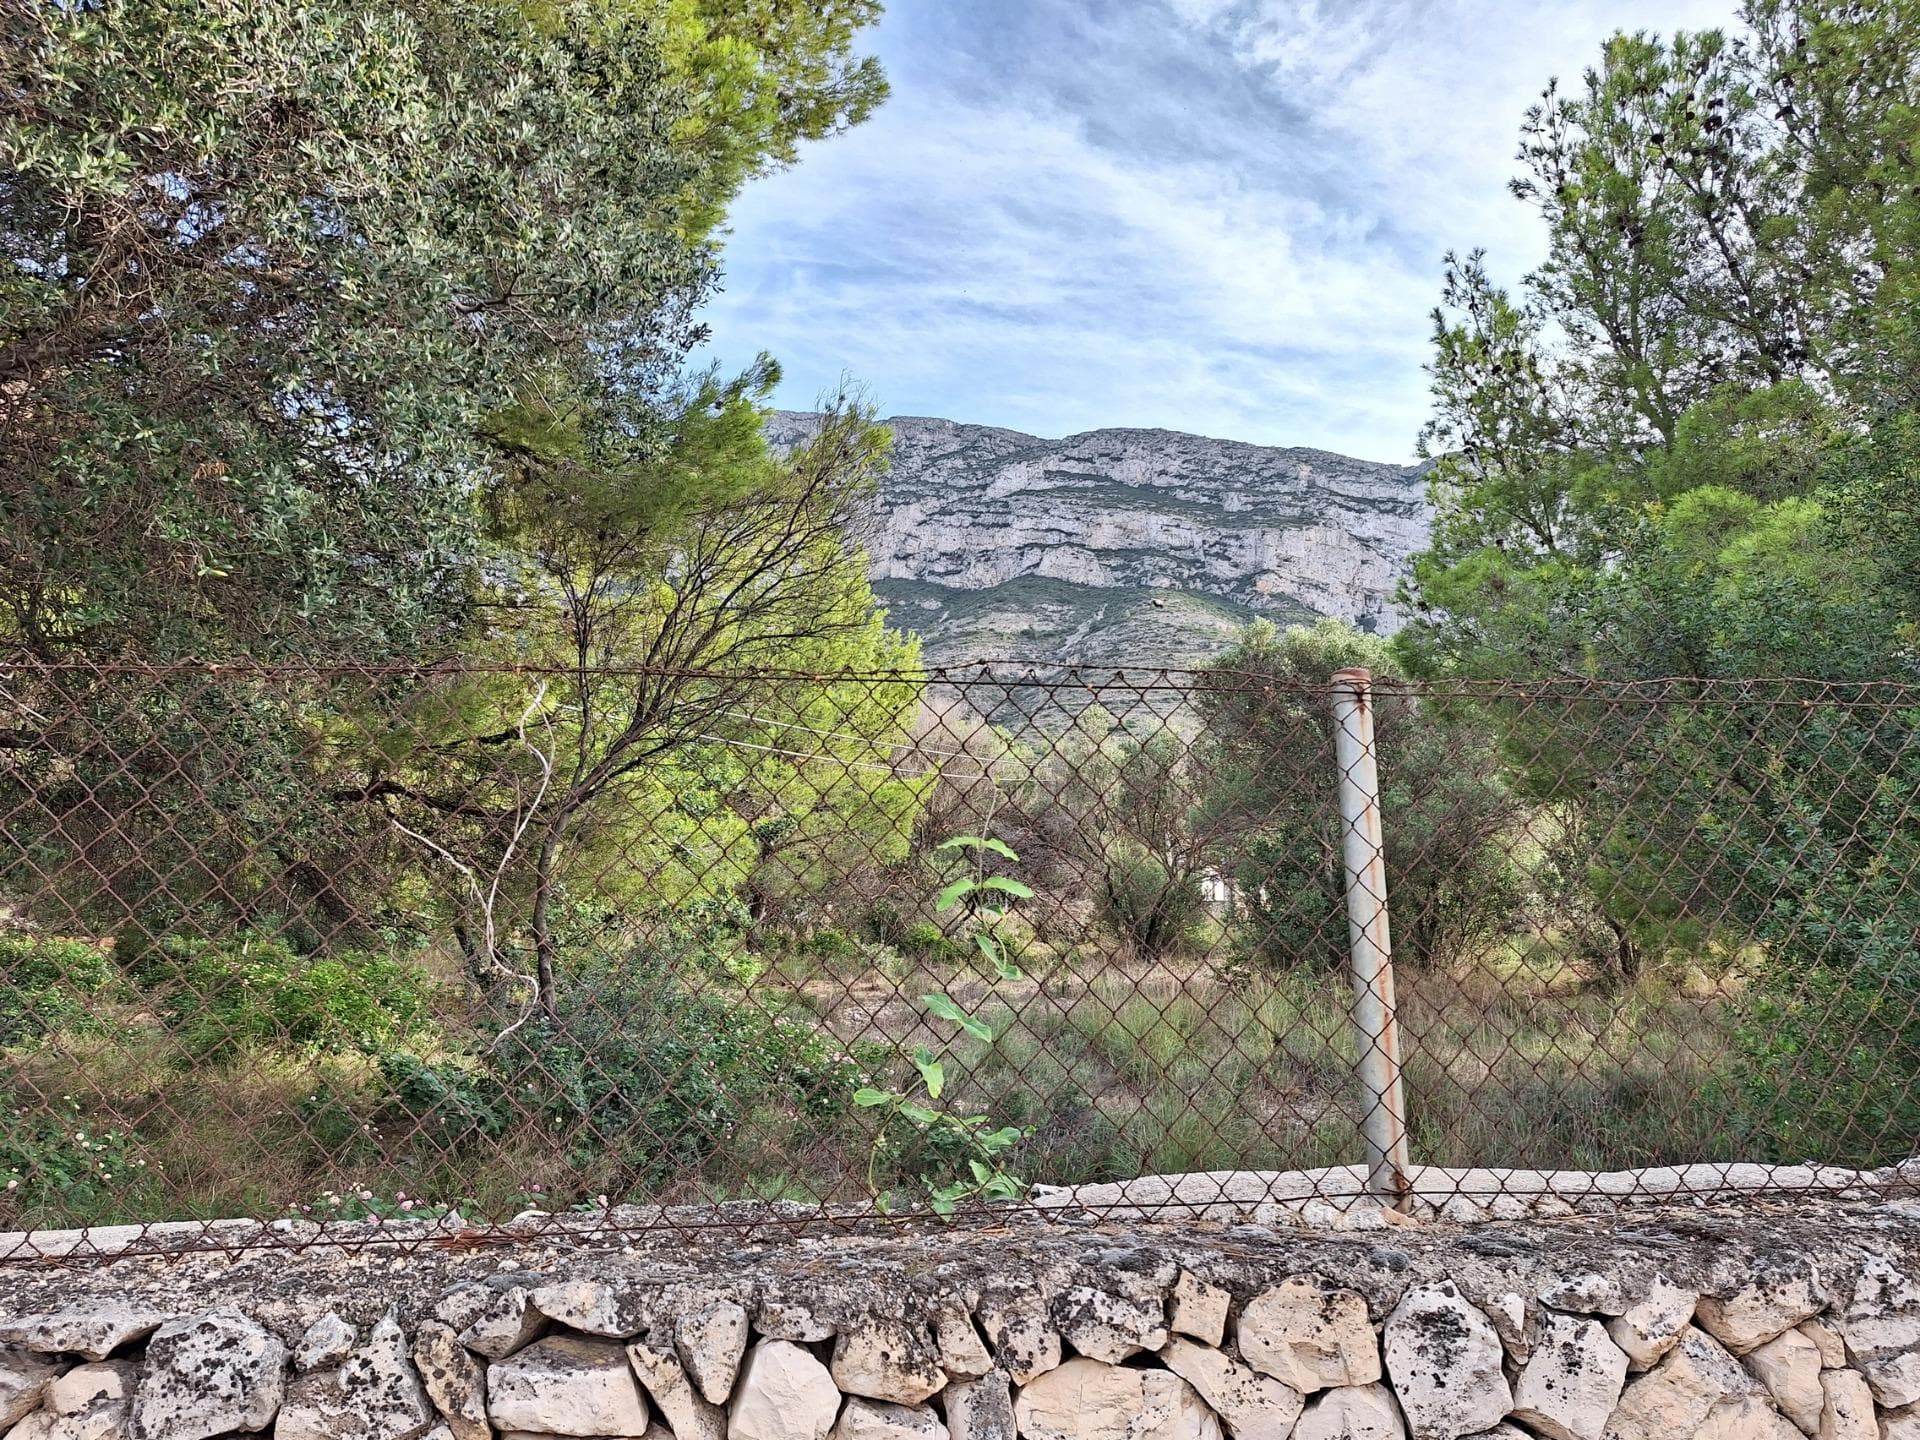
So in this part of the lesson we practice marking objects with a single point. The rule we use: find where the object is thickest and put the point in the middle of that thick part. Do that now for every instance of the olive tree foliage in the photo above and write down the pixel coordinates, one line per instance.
(271, 265)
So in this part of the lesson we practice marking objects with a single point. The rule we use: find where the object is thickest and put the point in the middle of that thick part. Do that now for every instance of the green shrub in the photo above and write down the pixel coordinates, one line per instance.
(48, 983)
(925, 940)
(52, 1160)
(636, 1068)
(1153, 908)
(254, 992)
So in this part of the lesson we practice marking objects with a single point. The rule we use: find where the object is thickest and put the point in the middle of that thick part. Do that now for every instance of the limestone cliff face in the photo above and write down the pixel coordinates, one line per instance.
(995, 543)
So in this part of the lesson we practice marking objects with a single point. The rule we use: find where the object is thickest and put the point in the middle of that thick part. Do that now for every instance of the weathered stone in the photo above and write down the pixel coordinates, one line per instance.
(1086, 1399)
(1826, 1339)
(1175, 1410)
(1881, 1331)
(1025, 1345)
(1848, 1412)
(374, 1394)
(1748, 1418)
(1588, 1293)
(209, 1374)
(688, 1413)
(1502, 1431)
(89, 1402)
(887, 1360)
(783, 1312)
(1309, 1335)
(957, 1344)
(711, 1342)
(595, 1307)
(1789, 1366)
(23, 1379)
(783, 1394)
(1761, 1309)
(91, 1329)
(453, 1380)
(1674, 1397)
(1901, 1424)
(1198, 1309)
(327, 1341)
(462, 1305)
(1108, 1327)
(1352, 1412)
(508, 1323)
(1252, 1406)
(883, 1420)
(1573, 1380)
(980, 1409)
(566, 1386)
(1649, 1327)
(1444, 1359)
(1511, 1314)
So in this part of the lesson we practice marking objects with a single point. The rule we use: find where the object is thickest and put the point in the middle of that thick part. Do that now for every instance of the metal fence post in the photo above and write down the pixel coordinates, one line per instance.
(1374, 1016)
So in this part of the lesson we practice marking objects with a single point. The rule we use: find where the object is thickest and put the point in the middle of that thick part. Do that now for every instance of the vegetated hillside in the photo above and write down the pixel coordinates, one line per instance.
(1135, 547)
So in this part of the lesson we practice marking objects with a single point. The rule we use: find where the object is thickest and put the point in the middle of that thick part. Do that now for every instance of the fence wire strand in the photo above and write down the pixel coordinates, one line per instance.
(383, 945)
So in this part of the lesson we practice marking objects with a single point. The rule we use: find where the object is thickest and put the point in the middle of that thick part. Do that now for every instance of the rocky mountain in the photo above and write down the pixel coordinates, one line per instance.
(1126, 547)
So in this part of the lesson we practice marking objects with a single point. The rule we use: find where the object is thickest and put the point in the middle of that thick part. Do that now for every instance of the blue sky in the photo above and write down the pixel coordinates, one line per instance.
(1222, 216)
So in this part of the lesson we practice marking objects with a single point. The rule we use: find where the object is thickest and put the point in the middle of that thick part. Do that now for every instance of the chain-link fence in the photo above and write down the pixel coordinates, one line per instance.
(362, 943)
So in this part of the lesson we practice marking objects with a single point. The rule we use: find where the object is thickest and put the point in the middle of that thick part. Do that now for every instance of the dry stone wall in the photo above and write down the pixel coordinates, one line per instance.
(1753, 1324)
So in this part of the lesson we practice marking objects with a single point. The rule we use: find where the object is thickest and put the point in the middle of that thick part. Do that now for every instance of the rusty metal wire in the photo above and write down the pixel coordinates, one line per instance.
(362, 946)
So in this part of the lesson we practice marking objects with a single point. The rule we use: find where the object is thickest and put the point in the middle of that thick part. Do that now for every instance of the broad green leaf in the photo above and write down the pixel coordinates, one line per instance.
(868, 1097)
(1012, 887)
(920, 1114)
(934, 1073)
(976, 842)
(966, 885)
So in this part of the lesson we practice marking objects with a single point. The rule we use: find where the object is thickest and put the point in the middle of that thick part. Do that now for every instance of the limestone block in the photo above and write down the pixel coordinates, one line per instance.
(1789, 1366)
(373, 1394)
(90, 1402)
(23, 1379)
(688, 1413)
(1588, 1293)
(453, 1379)
(980, 1409)
(1024, 1341)
(883, 1420)
(1827, 1339)
(1650, 1325)
(887, 1360)
(957, 1344)
(327, 1341)
(710, 1343)
(507, 1323)
(1901, 1424)
(1761, 1309)
(1198, 1310)
(1108, 1327)
(1084, 1399)
(1352, 1412)
(207, 1375)
(1309, 1335)
(91, 1329)
(783, 1393)
(596, 1307)
(1675, 1397)
(566, 1386)
(1748, 1418)
(1445, 1363)
(1848, 1412)
(1572, 1381)
(1252, 1406)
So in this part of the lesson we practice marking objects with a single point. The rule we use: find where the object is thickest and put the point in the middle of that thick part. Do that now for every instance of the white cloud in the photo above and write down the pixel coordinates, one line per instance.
(1243, 243)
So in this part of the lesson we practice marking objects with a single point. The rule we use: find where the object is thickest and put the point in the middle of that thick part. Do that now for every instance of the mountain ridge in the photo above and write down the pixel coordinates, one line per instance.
(1125, 545)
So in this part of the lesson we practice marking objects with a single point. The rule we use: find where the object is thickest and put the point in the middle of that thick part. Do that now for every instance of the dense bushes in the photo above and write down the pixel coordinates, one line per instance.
(48, 983)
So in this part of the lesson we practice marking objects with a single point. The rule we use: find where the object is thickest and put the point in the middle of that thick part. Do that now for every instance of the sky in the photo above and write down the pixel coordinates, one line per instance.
(1219, 216)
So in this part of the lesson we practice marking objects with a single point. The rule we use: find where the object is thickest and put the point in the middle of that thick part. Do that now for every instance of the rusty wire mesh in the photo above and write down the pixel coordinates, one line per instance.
(353, 944)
